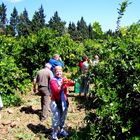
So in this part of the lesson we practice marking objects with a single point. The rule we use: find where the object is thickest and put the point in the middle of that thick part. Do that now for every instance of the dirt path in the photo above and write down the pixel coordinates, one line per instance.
(22, 123)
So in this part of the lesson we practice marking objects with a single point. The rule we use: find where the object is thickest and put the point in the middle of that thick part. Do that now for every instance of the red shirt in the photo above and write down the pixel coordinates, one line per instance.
(81, 64)
(55, 88)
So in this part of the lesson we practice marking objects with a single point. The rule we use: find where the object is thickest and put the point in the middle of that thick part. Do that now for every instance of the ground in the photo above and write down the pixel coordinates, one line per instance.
(22, 123)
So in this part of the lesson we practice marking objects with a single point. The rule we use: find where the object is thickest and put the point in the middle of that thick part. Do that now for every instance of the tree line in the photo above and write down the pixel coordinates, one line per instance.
(19, 24)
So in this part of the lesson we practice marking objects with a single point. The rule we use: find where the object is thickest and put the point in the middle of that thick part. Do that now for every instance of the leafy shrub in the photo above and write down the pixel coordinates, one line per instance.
(11, 100)
(13, 78)
(116, 80)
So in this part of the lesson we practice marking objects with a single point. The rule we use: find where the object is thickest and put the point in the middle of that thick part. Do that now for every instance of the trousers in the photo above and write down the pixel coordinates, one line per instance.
(45, 95)
(58, 116)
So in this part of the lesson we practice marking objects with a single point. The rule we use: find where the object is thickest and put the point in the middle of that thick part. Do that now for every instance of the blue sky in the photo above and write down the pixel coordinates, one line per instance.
(102, 11)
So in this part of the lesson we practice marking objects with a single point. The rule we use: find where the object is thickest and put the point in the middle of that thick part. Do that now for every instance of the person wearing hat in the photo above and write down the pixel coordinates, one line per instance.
(96, 60)
(84, 59)
(42, 79)
(59, 102)
(84, 85)
(56, 61)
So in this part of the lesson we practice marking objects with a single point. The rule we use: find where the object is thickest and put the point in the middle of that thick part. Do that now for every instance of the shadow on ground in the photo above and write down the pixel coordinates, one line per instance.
(40, 129)
(87, 103)
(30, 110)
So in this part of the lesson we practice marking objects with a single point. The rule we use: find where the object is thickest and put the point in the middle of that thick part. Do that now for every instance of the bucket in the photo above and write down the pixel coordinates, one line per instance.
(77, 87)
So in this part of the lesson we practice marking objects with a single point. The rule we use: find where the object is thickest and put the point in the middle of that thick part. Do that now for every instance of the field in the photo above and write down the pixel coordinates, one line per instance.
(22, 123)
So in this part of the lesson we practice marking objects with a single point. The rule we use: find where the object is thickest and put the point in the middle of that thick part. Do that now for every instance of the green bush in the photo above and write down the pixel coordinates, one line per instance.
(11, 100)
(116, 80)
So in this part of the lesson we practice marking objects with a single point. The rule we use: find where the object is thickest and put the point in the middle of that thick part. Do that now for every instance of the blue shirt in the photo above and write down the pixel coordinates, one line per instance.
(55, 63)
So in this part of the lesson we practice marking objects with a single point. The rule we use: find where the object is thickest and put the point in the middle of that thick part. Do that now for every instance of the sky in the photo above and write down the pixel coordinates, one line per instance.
(102, 11)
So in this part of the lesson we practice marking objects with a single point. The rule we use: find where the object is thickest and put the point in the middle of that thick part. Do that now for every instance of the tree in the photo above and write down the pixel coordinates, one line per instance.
(82, 29)
(121, 11)
(38, 20)
(90, 32)
(72, 30)
(24, 25)
(14, 20)
(55, 23)
(97, 30)
(109, 32)
(2, 18)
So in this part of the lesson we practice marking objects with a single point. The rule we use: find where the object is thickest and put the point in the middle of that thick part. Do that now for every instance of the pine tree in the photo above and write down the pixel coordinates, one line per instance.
(109, 32)
(3, 18)
(55, 23)
(82, 29)
(24, 25)
(72, 30)
(14, 20)
(42, 16)
(38, 20)
(90, 32)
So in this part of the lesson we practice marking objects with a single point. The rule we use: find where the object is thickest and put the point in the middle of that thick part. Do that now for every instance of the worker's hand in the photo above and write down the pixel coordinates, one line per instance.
(63, 84)
(65, 81)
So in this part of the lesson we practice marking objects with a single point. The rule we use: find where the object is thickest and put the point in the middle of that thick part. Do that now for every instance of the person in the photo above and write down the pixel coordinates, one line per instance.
(93, 63)
(84, 86)
(59, 102)
(84, 59)
(1, 103)
(95, 60)
(42, 79)
(56, 61)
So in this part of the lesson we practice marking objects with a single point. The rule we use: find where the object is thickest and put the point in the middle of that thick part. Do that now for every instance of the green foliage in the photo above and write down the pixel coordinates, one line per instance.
(72, 30)
(38, 20)
(97, 30)
(69, 50)
(116, 80)
(92, 48)
(24, 25)
(14, 19)
(11, 100)
(35, 50)
(56, 24)
(2, 18)
(13, 79)
(121, 11)
(82, 29)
